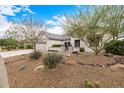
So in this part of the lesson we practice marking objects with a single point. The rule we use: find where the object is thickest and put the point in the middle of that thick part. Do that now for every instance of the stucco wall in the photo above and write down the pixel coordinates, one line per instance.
(82, 44)
(48, 45)
(52, 42)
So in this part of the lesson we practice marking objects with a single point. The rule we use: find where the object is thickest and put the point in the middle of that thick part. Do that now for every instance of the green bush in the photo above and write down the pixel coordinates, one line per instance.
(116, 47)
(57, 45)
(51, 60)
(53, 50)
(35, 55)
(21, 46)
(82, 49)
(29, 47)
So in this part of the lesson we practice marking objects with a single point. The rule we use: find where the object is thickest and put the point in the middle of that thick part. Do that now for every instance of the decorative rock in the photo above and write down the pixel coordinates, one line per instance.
(119, 59)
(68, 55)
(22, 67)
(38, 67)
(117, 67)
(108, 55)
(81, 63)
(103, 66)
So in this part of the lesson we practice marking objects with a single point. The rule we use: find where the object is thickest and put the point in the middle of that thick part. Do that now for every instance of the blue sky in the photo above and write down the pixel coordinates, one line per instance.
(52, 14)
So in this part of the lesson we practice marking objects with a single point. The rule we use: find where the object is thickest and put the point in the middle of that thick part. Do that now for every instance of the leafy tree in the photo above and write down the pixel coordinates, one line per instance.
(28, 30)
(96, 26)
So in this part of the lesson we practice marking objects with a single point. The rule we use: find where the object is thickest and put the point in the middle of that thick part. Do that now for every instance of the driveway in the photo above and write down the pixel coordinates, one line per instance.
(15, 53)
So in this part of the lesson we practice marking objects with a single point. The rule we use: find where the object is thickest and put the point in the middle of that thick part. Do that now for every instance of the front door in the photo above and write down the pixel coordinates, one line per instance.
(67, 44)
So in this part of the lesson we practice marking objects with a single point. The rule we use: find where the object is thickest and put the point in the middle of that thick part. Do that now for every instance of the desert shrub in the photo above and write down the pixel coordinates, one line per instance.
(82, 49)
(29, 47)
(21, 46)
(96, 84)
(75, 52)
(51, 60)
(14, 47)
(89, 84)
(116, 48)
(35, 55)
(57, 45)
(8, 48)
(3, 47)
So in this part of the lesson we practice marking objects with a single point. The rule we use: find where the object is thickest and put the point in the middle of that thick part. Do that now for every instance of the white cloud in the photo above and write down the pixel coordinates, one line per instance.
(10, 10)
(4, 25)
(26, 8)
(55, 23)
(59, 18)
(56, 30)
(51, 22)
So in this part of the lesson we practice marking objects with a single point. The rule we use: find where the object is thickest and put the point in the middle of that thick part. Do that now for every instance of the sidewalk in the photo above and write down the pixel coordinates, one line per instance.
(3, 75)
(15, 53)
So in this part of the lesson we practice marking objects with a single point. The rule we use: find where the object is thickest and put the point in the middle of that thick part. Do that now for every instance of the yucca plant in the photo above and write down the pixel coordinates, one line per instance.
(51, 60)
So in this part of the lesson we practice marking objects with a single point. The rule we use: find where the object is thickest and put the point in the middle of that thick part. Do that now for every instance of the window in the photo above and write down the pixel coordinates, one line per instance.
(77, 43)
(69, 44)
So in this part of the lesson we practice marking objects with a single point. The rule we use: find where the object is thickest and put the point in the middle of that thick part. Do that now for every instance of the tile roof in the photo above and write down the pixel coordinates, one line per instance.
(57, 37)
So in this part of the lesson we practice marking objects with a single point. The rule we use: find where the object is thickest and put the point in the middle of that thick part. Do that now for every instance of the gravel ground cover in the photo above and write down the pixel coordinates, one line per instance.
(68, 75)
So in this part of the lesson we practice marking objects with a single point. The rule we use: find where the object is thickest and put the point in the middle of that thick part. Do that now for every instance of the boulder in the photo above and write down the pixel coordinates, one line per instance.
(22, 67)
(68, 54)
(108, 55)
(119, 59)
(38, 68)
(117, 67)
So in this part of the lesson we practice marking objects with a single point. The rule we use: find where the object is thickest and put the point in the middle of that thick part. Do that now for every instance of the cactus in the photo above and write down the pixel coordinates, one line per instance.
(89, 84)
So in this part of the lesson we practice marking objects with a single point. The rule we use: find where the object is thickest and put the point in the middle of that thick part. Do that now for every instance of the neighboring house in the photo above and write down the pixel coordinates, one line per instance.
(69, 44)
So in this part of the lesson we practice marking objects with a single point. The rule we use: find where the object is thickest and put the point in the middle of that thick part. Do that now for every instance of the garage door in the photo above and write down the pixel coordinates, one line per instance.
(41, 47)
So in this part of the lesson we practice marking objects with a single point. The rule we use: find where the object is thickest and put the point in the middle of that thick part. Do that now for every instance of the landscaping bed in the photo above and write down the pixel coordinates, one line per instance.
(71, 74)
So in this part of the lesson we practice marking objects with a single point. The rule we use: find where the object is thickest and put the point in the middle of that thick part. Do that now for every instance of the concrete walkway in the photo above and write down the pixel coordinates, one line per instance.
(15, 53)
(3, 75)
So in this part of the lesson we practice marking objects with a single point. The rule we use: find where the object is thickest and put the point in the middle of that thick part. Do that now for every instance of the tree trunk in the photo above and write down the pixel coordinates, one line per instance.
(34, 47)
(96, 52)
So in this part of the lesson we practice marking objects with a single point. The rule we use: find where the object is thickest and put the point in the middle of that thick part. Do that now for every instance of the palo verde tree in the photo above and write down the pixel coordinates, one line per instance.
(96, 26)
(28, 30)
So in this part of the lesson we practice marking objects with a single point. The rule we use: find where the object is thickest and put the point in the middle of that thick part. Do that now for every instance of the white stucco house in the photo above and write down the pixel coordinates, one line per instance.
(68, 44)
